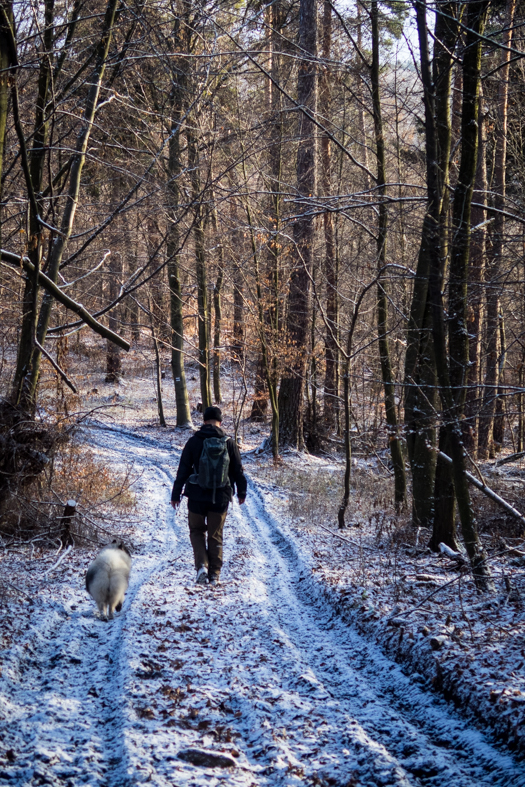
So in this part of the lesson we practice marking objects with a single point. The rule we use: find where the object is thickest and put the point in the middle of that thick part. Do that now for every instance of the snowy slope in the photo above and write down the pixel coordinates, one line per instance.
(259, 670)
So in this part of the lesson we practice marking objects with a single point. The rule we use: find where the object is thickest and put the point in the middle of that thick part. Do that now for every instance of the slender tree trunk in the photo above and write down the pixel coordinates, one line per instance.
(272, 317)
(475, 290)
(174, 167)
(382, 301)
(237, 346)
(486, 436)
(113, 359)
(28, 368)
(158, 368)
(499, 411)
(291, 393)
(5, 62)
(200, 268)
(217, 310)
(332, 301)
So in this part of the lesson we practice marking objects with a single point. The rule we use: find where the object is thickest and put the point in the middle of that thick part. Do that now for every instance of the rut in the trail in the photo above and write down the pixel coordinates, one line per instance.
(260, 668)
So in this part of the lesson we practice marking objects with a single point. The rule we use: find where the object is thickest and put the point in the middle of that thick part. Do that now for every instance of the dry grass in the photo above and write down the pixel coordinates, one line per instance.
(102, 494)
(314, 494)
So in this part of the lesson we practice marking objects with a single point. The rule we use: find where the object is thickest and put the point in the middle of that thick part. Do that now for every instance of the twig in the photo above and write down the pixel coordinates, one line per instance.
(348, 540)
(55, 366)
(441, 587)
(18, 590)
(60, 559)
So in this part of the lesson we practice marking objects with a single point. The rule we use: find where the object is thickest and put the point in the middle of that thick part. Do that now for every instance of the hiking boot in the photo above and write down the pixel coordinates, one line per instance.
(214, 579)
(202, 576)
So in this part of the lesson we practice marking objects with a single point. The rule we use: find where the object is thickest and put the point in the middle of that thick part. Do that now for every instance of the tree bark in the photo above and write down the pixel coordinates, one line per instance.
(217, 311)
(476, 276)
(6, 56)
(200, 269)
(494, 348)
(178, 101)
(421, 400)
(332, 302)
(28, 365)
(396, 451)
(291, 392)
(452, 365)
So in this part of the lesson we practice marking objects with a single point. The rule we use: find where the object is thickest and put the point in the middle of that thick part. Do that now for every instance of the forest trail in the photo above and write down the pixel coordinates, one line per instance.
(259, 669)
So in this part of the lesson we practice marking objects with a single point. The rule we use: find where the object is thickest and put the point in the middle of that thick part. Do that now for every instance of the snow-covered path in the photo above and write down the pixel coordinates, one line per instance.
(259, 669)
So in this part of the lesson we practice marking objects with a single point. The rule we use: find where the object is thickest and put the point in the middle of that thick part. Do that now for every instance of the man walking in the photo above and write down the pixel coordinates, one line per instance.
(211, 468)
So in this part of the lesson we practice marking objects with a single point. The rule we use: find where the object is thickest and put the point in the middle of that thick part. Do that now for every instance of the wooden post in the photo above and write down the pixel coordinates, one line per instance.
(67, 517)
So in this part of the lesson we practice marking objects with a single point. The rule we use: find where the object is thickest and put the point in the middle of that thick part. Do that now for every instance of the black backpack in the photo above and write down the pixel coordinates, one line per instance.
(214, 464)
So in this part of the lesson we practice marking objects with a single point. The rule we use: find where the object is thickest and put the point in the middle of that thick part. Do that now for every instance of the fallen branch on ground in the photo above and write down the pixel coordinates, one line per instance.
(60, 559)
(487, 491)
(348, 540)
(511, 458)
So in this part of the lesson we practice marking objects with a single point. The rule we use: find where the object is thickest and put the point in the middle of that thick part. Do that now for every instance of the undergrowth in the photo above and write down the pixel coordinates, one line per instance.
(102, 495)
(314, 495)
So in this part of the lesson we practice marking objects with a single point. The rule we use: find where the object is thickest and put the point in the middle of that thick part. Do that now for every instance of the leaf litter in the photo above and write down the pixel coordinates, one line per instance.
(279, 676)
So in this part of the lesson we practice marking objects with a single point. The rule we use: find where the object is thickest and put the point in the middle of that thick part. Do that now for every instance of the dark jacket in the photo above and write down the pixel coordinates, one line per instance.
(189, 464)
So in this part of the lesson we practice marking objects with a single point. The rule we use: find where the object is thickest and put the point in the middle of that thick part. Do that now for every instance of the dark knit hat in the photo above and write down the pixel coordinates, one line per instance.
(212, 414)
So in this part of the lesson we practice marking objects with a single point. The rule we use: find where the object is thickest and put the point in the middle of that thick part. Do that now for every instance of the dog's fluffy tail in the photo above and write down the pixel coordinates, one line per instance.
(107, 580)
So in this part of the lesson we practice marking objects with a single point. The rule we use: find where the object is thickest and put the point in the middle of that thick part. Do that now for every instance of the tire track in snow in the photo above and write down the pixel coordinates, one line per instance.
(112, 688)
(261, 667)
(416, 734)
(70, 730)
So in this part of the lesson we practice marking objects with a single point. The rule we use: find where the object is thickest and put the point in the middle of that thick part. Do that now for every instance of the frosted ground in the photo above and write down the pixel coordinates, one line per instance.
(280, 676)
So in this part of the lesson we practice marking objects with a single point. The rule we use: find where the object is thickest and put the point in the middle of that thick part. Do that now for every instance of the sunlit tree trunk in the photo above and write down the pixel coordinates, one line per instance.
(494, 349)
(332, 301)
(174, 168)
(291, 393)
(396, 451)
(28, 365)
(200, 268)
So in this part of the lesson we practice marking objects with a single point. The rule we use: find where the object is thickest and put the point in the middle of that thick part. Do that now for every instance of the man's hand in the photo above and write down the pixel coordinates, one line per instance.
(241, 500)
(175, 504)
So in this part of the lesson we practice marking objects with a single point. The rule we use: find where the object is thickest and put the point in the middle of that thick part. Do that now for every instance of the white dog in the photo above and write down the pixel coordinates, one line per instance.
(107, 578)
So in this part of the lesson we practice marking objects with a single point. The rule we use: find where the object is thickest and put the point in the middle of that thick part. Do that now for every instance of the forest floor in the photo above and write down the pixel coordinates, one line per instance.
(309, 663)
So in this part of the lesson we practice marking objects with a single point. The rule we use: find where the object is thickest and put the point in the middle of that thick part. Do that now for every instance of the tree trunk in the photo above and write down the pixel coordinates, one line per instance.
(5, 63)
(421, 401)
(291, 393)
(475, 290)
(178, 99)
(237, 346)
(499, 411)
(444, 523)
(217, 311)
(30, 303)
(485, 443)
(200, 269)
(28, 366)
(332, 301)
(382, 301)
(452, 368)
(113, 360)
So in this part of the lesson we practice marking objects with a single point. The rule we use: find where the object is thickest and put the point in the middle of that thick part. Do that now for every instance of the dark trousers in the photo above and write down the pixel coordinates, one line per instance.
(212, 525)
